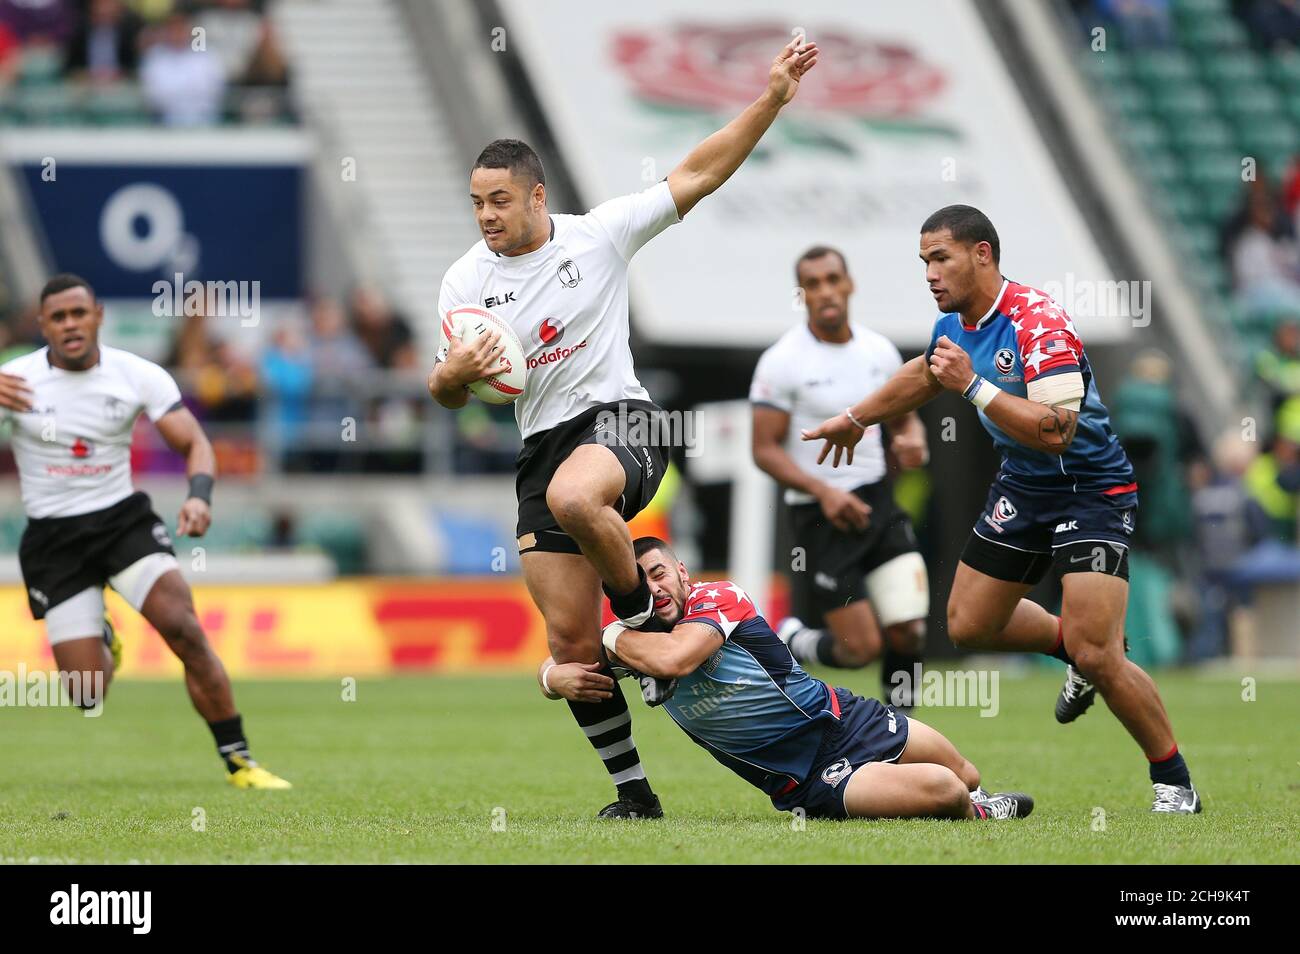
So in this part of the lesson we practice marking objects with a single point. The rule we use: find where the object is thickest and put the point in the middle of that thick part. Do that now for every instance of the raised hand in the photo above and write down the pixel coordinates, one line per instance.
(795, 59)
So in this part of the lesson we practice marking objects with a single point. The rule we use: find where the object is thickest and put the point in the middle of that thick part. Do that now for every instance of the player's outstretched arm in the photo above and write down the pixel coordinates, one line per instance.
(911, 386)
(663, 655)
(1041, 427)
(712, 162)
(184, 435)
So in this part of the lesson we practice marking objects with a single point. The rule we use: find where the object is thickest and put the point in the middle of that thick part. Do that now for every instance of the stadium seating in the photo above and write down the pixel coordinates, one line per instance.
(1188, 116)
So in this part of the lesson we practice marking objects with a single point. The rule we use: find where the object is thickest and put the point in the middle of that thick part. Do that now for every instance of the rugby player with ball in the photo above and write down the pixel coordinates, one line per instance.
(558, 285)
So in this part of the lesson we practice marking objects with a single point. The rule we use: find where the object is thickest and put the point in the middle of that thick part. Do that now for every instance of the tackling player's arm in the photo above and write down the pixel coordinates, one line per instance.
(911, 386)
(1045, 422)
(577, 682)
(712, 162)
(767, 443)
(663, 655)
(182, 432)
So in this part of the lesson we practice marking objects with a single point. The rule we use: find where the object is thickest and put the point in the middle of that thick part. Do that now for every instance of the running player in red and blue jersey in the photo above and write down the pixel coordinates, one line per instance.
(1064, 496)
(742, 696)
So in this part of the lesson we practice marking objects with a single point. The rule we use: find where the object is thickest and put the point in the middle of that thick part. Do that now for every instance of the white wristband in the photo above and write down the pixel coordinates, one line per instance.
(546, 686)
(609, 638)
(848, 412)
(985, 393)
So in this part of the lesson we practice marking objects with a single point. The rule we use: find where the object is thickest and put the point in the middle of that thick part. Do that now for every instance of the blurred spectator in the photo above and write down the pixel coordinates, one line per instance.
(386, 335)
(1279, 367)
(1263, 257)
(338, 365)
(105, 47)
(268, 66)
(1273, 478)
(184, 85)
(1227, 525)
(287, 380)
(1272, 24)
(232, 31)
(222, 382)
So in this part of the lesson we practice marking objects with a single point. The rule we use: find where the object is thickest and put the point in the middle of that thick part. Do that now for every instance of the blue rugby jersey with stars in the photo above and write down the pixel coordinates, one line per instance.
(1027, 335)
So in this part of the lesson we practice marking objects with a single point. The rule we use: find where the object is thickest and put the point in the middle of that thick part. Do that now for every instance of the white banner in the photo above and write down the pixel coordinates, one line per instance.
(909, 109)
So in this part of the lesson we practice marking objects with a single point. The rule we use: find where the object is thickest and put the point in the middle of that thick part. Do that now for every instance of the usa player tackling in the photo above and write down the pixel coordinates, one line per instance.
(741, 696)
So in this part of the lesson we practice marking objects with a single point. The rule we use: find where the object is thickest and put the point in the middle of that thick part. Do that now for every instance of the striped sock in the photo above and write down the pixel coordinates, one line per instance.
(608, 726)
(229, 734)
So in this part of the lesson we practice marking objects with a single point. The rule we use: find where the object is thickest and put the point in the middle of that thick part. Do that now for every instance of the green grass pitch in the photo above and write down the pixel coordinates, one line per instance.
(482, 769)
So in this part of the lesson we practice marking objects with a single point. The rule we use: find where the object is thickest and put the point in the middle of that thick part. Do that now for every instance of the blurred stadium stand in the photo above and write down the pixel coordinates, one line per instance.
(373, 110)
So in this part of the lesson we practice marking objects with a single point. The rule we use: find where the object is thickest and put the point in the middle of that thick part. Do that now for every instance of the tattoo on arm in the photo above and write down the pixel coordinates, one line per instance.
(1057, 428)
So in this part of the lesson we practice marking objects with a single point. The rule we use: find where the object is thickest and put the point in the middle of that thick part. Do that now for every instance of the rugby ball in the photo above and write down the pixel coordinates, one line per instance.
(468, 322)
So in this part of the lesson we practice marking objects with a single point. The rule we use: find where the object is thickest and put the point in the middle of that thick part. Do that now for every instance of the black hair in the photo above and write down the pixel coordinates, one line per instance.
(643, 545)
(62, 282)
(818, 251)
(967, 224)
(515, 155)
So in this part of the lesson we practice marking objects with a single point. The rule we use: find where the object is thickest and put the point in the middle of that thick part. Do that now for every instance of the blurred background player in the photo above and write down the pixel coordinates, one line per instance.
(860, 561)
(744, 699)
(1065, 496)
(73, 406)
(561, 282)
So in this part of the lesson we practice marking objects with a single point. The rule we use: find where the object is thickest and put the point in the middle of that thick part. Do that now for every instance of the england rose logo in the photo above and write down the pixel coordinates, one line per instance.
(704, 67)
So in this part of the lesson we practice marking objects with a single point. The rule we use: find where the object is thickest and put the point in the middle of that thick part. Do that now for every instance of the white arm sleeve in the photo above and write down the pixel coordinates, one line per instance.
(632, 220)
(1057, 390)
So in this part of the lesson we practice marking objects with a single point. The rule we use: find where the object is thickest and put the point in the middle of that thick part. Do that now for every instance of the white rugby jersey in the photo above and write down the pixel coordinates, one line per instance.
(812, 380)
(74, 447)
(567, 302)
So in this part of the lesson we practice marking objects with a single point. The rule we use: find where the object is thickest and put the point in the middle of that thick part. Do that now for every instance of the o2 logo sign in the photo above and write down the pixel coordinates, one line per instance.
(142, 228)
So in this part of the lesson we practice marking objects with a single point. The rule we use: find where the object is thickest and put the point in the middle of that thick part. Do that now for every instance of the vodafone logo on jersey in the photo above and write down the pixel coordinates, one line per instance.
(81, 449)
(548, 333)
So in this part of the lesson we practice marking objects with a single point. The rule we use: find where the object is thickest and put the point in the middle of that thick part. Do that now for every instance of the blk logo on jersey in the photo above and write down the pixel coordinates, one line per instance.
(549, 332)
(837, 772)
(81, 449)
(496, 301)
(1003, 511)
(161, 536)
(1005, 360)
(568, 273)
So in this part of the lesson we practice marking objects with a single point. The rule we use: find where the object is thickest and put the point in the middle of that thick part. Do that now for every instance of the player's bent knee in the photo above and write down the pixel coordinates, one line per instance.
(571, 508)
(1098, 663)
